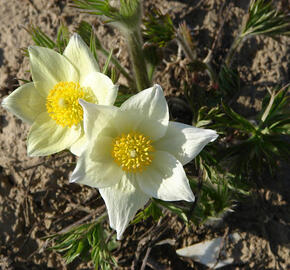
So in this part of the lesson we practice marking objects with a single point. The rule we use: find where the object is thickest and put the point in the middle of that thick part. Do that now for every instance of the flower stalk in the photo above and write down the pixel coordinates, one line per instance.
(135, 44)
(236, 44)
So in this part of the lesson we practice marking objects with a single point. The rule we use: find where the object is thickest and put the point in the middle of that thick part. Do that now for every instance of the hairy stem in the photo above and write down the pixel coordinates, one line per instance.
(237, 42)
(135, 43)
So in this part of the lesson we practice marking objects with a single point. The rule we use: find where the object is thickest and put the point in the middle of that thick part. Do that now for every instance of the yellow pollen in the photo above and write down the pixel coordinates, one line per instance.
(62, 103)
(133, 152)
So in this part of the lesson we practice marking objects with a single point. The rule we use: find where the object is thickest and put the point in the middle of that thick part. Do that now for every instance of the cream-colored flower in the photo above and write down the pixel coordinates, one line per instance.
(50, 103)
(134, 152)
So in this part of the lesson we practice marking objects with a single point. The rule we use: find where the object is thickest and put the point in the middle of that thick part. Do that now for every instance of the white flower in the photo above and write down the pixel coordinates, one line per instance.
(134, 152)
(50, 103)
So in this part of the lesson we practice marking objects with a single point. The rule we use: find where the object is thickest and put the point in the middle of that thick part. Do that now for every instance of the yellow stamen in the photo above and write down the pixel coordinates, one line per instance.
(62, 103)
(133, 152)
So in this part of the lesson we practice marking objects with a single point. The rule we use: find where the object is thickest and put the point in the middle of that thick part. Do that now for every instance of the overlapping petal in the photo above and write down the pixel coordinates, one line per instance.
(79, 146)
(25, 102)
(79, 54)
(96, 167)
(48, 68)
(185, 142)
(151, 104)
(165, 179)
(123, 200)
(46, 137)
(102, 86)
(96, 117)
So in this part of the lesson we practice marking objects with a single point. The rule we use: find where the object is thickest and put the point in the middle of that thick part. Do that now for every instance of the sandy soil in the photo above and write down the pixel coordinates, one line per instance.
(36, 198)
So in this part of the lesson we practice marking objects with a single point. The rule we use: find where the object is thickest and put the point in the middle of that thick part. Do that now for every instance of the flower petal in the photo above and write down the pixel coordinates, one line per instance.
(185, 142)
(165, 179)
(102, 86)
(96, 117)
(96, 167)
(152, 105)
(25, 102)
(79, 146)
(123, 201)
(46, 137)
(48, 68)
(79, 54)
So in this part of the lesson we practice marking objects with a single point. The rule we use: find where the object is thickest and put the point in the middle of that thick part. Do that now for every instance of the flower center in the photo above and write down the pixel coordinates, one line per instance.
(62, 103)
(132, 151)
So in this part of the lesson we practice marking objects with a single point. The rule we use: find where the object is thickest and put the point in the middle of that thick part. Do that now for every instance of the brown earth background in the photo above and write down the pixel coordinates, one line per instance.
(36, 198)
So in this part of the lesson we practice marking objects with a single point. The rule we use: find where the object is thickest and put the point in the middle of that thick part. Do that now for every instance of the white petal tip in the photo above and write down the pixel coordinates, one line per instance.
(157, 87)
(74, 177)
(31, 49)
(214, 136)
(4, 103)
(76, 35)
(72, 180)
(192, 198)
(119, 237)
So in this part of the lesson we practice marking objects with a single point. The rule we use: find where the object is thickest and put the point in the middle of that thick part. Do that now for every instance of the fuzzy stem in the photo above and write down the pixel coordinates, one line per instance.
(237, 42)
(135, 43)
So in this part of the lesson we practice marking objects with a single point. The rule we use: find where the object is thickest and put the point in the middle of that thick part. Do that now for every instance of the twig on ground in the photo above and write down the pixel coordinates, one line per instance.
(155, 265)
(150, 240)
(145, 258)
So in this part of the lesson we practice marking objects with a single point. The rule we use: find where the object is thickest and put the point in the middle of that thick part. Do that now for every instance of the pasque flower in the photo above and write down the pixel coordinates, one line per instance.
(134, 152)
(50, 103)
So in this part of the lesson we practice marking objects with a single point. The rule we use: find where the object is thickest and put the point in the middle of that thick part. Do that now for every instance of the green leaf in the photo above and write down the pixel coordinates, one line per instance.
(242, 122)
(40, 38)
(106, 66)
(213, 199)
(152, 210)
(86, 241)
(275, 107)
(228, 81)
(128, 13)
(158, 28)
(173, 208)
(63, 37)
(264, 19)
(85, 30)
(43, 40)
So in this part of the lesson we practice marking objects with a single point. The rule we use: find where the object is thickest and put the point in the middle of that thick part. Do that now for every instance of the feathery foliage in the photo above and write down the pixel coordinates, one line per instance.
(262, 142)
(264, 19)
(89, 242)
(128, 12)
(43, 40)
(158, 28)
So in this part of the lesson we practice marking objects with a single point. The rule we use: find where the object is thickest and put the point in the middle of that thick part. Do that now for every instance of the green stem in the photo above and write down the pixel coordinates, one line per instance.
(237, 42)
(151, 70)
(135, 43)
